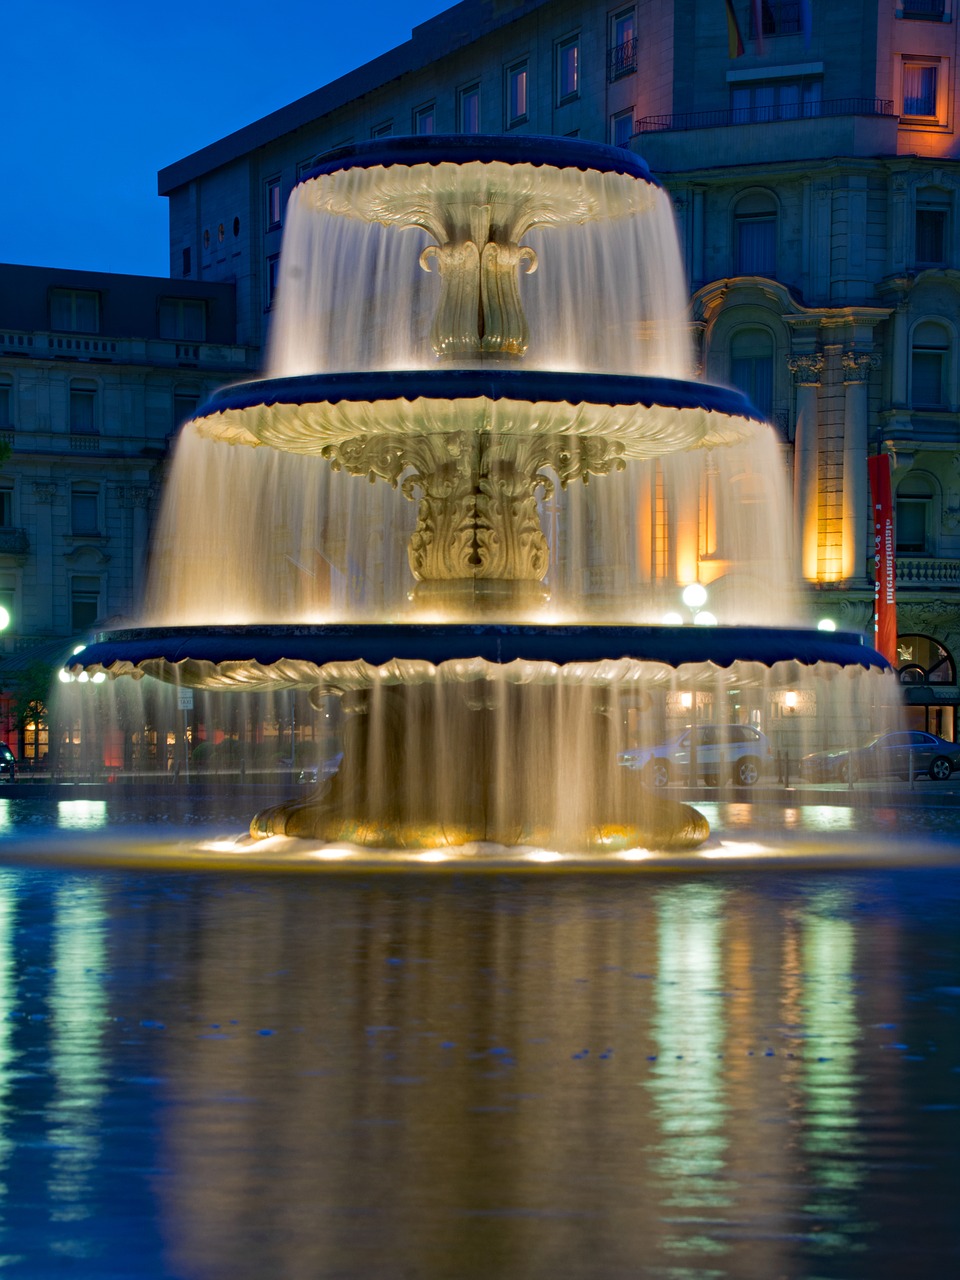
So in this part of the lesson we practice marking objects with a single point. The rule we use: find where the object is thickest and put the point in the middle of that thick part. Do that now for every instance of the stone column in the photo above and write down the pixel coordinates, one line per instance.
(806, 370)
(856, 377)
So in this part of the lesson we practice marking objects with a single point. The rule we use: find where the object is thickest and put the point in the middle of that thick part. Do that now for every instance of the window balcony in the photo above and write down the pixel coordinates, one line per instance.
(622, 59)
(764, 115)
(691, 141)
(924, 10)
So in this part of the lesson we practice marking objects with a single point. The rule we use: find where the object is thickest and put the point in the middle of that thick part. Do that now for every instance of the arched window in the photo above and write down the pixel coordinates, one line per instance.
(922, 660)
(755, 235)
(751, 367)
(930, 366)
(914, 516)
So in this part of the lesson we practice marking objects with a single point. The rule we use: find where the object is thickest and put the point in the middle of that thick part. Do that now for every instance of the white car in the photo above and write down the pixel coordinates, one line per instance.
(725, 752)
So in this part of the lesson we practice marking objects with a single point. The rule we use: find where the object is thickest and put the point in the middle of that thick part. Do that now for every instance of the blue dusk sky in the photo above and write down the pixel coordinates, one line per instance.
(101, 94)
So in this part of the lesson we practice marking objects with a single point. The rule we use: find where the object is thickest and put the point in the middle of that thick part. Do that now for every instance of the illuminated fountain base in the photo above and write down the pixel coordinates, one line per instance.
(487, 733)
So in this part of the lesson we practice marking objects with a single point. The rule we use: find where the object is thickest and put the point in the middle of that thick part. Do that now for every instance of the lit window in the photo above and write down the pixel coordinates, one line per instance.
(622, 128)
(75, 310)
(83, 410)
(568, 69)
(755, 235)
(929, 366)
(914, 505)
(84, 510)
(920, 82)
(622, 54)
(183, 318)
(84, 603)
(273, 278)
(517, 94)
(425, 120)
(751, 367)
(274, 204)
(468, 112)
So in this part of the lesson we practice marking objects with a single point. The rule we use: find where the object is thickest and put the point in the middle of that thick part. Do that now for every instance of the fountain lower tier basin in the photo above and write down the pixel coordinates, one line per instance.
(348, 655)
(638, 417)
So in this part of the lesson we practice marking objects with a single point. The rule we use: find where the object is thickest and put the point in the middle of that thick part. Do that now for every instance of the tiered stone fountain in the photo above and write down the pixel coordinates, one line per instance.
(477, 716)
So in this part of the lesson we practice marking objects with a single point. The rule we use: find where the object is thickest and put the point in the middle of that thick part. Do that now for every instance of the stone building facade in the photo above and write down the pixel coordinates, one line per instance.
(811, 150)
(96, 373)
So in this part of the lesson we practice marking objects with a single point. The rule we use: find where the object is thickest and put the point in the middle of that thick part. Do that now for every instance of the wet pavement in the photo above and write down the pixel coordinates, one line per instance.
(675, 1073)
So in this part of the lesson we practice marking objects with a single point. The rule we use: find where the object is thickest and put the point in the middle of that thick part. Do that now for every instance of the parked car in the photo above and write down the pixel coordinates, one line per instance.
(8, 763)
(734, 752)
(311, 774)
(891, 755)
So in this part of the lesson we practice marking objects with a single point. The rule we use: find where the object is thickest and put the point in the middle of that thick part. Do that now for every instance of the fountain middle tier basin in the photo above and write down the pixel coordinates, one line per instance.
(348, 656)
(637, 416)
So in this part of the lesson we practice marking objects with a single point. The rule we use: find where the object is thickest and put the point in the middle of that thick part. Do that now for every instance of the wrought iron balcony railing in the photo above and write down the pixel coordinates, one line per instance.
(765, 115)
(622, 59)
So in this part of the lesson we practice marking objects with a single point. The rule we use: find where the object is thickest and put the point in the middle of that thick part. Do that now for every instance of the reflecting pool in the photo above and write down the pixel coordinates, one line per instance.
(746, 1075)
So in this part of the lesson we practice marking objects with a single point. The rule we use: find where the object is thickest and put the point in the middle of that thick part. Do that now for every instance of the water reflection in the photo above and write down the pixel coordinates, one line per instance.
(376, 1077)
(81, 815)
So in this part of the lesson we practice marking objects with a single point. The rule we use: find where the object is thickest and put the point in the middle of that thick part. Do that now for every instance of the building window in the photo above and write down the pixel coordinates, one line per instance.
(622, 128)
(186, 261)
(468, 109)
(85, 510)
(384, 130)
(776, 100)
(929, 366)
(6, 404)
(6, 506)
(755, 235)
(568, 69)
(83, 410)
(425, 120)
(274, 204)
(751, 367)
(75, 310)
(913, 522)
(273, 278)
(622, 54)
(516, 88)
(931, 229)
(184, 406)
(84, 603)
(924, 10)
(777, 18)
(920, 85)
(183, 318)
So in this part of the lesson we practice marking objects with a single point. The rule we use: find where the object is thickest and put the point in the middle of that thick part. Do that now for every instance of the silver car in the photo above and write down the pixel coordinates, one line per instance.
(725, 752)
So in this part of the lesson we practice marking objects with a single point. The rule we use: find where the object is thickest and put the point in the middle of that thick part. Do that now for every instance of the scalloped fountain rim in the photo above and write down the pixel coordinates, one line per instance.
(532, 149)
(530, 386)
(256, 650)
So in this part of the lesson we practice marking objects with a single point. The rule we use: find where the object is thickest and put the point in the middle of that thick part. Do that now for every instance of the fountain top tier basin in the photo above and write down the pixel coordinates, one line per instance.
(522, 182)
(354, 655)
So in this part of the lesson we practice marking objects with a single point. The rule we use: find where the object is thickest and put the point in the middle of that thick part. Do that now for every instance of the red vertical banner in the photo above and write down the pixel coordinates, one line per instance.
(884, 559)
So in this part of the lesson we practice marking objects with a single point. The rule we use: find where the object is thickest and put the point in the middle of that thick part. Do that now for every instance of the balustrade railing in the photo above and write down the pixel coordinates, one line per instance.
(924, 572)
(13, 541)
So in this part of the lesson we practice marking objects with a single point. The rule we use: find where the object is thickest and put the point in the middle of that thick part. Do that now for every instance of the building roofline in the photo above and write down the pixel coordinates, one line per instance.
(460, 25)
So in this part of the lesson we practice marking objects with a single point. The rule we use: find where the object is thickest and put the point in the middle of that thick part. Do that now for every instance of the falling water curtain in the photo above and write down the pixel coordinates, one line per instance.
(884, 559)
